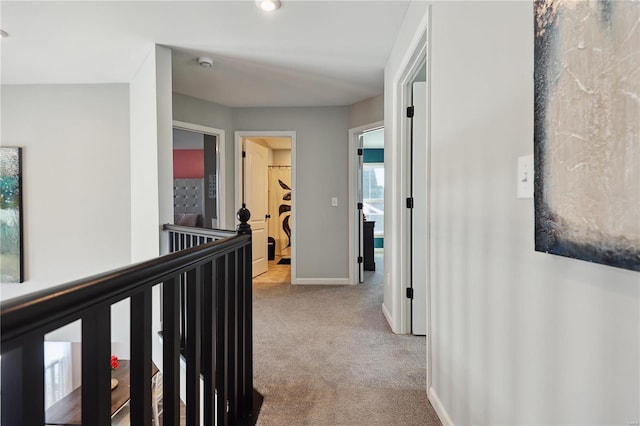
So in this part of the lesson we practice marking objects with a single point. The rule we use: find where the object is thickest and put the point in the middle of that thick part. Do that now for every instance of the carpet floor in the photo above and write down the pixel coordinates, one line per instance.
(325, 355)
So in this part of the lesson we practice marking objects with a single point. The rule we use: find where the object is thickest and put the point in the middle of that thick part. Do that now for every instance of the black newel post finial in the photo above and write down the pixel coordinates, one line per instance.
(243, 216)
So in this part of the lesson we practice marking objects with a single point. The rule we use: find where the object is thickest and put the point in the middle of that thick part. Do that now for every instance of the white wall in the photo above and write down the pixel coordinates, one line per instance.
(144, 162)
(164, 110)
(151, 167)
(519, 337)
(281, 157)
(77, 199)
(366, 112)
(321, 173)
(75, 141)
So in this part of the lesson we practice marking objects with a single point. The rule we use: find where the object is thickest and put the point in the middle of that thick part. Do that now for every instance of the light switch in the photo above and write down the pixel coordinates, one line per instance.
(525, 176)
(334, 202)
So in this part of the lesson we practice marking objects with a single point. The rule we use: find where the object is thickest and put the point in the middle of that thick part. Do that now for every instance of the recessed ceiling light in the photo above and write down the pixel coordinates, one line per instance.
(268, 5)
(4, 34)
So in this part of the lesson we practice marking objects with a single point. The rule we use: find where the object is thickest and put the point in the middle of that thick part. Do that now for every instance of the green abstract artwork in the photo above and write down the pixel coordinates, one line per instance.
(11, 252)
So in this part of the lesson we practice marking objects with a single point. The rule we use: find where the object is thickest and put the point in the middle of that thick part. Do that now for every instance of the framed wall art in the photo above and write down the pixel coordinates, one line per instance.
(11, 241)
(587, 130)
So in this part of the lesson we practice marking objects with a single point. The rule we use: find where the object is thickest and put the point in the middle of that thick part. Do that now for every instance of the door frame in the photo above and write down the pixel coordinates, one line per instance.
(221, 160)
(239, 136)
(397, 225)
(354, 134)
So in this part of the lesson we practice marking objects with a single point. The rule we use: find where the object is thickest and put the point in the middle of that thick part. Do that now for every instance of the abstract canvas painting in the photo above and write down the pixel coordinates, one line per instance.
(587, 130)
(11, 262)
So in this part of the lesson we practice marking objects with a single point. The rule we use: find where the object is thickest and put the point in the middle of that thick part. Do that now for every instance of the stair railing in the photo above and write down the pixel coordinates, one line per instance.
(218, 342)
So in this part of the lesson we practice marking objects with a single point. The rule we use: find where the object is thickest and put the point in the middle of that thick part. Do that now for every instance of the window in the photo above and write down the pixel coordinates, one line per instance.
(57, 371)
(373, 194)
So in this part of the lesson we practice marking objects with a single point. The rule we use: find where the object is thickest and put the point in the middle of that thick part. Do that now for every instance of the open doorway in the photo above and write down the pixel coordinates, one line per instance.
(372, 234)
(198, 187)
(266, 185)
(409, 206)
(366, 170)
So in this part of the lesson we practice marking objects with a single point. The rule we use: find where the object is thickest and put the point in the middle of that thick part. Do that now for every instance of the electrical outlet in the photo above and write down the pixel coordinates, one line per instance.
(334, 201)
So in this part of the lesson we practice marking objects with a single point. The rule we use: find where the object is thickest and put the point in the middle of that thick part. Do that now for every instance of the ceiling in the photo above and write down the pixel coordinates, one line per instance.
(276, 143)
(309, 53)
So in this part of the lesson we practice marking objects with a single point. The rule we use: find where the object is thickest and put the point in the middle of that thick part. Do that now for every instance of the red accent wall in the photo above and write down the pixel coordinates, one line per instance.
(188, 163)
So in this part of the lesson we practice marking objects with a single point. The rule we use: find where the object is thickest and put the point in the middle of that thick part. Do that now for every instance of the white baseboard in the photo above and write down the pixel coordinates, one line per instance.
(440, 410)
(387, 315)
(321, 281)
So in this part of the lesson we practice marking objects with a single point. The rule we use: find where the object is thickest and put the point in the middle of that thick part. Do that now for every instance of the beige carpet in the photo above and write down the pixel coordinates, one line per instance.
(324, 355)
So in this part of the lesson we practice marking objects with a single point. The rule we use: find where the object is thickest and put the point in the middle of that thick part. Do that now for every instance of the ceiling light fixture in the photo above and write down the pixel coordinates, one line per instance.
(205, 62)
(4, 34)
(268, 5)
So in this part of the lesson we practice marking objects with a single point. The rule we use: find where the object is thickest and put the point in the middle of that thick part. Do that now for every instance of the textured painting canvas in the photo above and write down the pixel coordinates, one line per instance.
(11, 265)
(587, 130)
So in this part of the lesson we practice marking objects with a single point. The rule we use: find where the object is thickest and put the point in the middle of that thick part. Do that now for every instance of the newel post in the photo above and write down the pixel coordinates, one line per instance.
(250, 400)
(243, 216)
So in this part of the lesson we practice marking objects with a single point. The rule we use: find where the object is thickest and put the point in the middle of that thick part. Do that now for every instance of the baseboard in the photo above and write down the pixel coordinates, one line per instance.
(321, 281)
(387, 315)
(439, 408)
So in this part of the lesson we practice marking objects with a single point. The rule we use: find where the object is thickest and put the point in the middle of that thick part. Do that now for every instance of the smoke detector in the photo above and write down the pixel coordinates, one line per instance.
(205, 62)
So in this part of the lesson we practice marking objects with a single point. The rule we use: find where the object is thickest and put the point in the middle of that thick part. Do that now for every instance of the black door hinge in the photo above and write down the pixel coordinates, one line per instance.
(410, 202)
(360, 151)
(360, 259)
(410, 293)
(244, 154)
(360, 206)
(410, 112)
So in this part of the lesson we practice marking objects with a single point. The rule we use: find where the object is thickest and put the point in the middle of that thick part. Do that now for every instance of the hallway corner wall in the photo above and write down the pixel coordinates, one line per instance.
(321, 173)
(366, 112)
(518, 337)
(77, 193)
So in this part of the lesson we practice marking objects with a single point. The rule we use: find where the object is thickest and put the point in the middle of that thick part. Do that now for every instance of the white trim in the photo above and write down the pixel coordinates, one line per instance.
(397, 261)
(353, 167)
(387, 315)
(220, 136)
(429, 370)
(442, 413)
(320, 281)
(396, 154)
(405, 89)
(239, 135)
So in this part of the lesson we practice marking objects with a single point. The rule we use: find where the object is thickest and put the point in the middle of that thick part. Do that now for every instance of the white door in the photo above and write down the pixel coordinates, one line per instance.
(419, 214)
(256, 199)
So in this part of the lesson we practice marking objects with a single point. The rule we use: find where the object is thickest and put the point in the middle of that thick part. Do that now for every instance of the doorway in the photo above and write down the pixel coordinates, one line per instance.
(408, 205)
(198, 176)
(367, 206)
(265, 183)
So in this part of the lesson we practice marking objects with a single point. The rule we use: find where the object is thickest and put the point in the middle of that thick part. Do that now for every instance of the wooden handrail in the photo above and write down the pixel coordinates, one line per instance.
(205, 232)
(214, 281)
(46, 309)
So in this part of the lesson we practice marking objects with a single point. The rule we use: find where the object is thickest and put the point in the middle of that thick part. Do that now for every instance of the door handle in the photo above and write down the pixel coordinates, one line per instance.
(267, 216)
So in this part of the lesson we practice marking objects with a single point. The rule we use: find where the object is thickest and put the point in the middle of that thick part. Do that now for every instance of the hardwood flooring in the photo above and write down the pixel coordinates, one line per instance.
(276, 274)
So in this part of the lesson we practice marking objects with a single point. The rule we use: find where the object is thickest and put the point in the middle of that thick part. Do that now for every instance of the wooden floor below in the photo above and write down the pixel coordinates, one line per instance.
(276, 274)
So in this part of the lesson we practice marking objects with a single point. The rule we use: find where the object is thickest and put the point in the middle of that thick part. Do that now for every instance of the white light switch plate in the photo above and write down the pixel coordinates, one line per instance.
(525, 176)
(334, 202)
